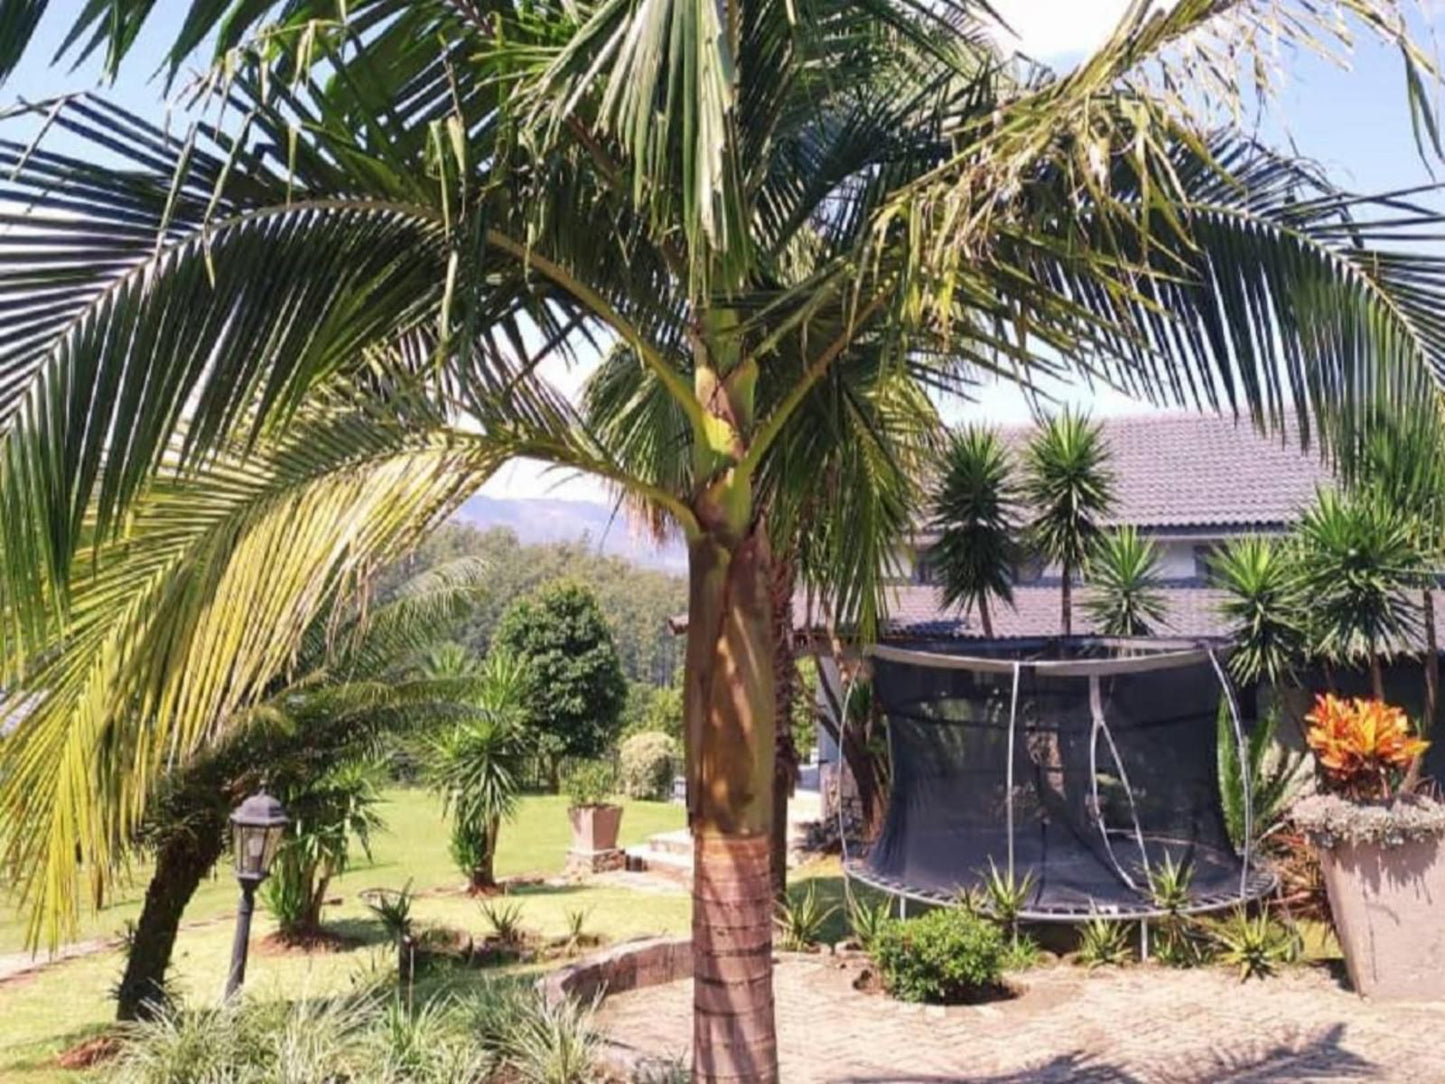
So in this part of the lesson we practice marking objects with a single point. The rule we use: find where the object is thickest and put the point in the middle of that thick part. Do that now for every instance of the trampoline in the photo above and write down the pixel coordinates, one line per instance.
(1084, 764)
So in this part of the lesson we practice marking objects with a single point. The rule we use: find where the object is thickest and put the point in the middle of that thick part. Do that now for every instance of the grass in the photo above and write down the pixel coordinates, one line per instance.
(45, 1013)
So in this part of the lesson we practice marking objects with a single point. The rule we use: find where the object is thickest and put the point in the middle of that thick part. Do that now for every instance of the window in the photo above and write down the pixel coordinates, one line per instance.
(1203, 558)
(1028, 571)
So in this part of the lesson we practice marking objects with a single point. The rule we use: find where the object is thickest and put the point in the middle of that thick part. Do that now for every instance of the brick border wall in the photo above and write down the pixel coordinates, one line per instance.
(628, 966)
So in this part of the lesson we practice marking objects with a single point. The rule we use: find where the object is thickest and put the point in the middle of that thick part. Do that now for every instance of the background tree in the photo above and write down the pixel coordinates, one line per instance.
(1264, 608)
(1068, 489)
(477, 764)
(1124, 586)
(573, 688)
(766, 211)
(973, 509)
(1360, 568)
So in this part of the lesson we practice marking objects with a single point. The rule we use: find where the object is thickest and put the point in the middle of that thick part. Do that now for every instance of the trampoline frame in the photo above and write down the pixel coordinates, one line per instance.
(1157, 655)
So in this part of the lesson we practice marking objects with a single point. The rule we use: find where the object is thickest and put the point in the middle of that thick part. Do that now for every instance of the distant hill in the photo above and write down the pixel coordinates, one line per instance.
(546, 519)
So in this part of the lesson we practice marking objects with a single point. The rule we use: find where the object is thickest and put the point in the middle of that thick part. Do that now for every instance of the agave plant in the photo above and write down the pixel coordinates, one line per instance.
(1256, 944)
(1103, 942)
(802, 918)
(1124, 593)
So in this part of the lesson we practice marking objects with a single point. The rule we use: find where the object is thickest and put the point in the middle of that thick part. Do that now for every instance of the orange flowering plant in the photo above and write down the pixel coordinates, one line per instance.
(1363, 745)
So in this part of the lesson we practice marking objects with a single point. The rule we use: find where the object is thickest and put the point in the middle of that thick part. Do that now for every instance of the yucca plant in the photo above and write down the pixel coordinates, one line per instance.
(1103, 942)
(1256, 944)
(1125, 596)
(1068, 489)
(801, 919)
(1264, 605)
(788, 230)
(1178, 938)
(1362, 565)
(973, 513)
(1276, 775)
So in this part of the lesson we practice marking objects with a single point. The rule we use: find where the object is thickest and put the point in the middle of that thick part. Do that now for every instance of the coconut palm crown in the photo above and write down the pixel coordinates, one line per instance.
(247, 360)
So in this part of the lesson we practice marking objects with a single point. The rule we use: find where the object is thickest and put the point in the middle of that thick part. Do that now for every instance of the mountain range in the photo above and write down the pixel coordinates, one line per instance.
(547, 519)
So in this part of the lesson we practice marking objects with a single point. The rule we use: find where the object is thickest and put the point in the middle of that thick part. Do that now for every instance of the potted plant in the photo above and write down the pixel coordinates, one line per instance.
(595, 821)
(1379, 848)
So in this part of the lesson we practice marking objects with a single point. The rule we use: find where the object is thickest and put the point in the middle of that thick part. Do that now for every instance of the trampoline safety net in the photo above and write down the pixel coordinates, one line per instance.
(1084, 773)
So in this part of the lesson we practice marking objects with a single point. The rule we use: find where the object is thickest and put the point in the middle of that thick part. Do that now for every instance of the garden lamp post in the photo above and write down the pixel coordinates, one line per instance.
(256, 828)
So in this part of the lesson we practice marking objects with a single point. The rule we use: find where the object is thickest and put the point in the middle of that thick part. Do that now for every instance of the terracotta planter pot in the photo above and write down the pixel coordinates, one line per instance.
(595, 827)
(1389, 910)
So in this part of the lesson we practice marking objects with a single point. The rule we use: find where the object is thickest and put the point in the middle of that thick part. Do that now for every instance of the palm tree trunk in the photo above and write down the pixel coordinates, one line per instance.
(182, 862)
(1066, 596)
(731, 751)
(984, 617)
(1432, 688)
(484, 877)
(1377, 677)
(785, 759)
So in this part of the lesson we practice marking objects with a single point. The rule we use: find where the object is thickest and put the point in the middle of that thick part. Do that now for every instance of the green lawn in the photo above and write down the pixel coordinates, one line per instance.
(45, 1013)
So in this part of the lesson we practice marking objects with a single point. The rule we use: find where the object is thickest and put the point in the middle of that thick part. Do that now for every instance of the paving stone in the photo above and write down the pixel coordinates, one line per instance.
(1138, 1026)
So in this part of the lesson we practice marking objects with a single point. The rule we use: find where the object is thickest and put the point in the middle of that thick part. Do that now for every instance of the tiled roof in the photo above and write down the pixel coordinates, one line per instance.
(1198, 470)
(916, 613)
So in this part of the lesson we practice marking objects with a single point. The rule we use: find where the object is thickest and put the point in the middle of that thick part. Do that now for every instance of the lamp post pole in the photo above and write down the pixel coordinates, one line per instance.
(257, 825)
(241, 943)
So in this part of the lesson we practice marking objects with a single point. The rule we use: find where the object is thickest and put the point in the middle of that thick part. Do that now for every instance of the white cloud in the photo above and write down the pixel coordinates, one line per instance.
(1051, 30)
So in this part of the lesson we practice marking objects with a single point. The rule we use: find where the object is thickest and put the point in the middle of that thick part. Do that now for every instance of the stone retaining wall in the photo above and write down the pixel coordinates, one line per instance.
(629, 966)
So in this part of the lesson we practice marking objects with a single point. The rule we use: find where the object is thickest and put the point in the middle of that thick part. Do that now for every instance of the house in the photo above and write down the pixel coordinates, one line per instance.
(1189, 482)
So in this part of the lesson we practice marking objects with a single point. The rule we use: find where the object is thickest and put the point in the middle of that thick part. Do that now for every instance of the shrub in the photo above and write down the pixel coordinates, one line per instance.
(646, 765)
(589, 782)
(1363, 746)
(943, 957)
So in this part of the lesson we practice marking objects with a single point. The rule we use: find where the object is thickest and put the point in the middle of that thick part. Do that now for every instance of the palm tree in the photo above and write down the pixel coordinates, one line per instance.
(237, 359)
(450, 660)
(1124, 593)
(350, 688)
(1068, 488)
(972, 513)
(477, 766)
(1264, 605)
(1359, 566)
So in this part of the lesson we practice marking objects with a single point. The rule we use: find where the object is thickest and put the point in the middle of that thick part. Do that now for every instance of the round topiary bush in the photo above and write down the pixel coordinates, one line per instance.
(646, 765)
(942, 958)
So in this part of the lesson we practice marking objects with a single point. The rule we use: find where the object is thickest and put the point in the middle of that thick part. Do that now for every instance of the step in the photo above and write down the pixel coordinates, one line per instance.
(675, 842)
(673, 866)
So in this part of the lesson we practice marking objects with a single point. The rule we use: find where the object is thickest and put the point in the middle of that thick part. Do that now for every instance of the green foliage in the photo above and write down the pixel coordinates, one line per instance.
(867, 920)
(574, 688)
(973, 510)
(1276, 776)
(589, 782)
(942, 957)
(653, 709)
(1007, 894)
(1103, 943)
(476, 765)
(1021, 953)
(325, 815)
(801, 918)
(540, 1042)
(450, 660)
(1256, 944)
(1169, 884)
(576, 919)
(392, 909)
(646, 765)
(1068, 488)
(1178, 940)
(504, 919)
(1124, 586)
(1360, 565)
(1264, 605)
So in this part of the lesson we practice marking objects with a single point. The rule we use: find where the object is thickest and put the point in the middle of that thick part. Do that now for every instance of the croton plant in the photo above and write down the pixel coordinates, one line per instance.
(1364, 746)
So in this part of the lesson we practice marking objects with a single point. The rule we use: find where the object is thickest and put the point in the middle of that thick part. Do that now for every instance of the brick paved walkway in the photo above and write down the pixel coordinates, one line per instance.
(1138, 1026)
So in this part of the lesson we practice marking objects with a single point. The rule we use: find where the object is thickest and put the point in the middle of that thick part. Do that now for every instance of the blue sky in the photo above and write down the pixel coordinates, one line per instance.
(1352, 122)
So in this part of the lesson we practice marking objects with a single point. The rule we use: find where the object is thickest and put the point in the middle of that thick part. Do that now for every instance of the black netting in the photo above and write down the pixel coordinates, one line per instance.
(1111, 772)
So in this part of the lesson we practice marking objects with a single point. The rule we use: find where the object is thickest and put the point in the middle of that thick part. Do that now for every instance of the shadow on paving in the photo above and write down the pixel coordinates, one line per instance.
(1321, 1058)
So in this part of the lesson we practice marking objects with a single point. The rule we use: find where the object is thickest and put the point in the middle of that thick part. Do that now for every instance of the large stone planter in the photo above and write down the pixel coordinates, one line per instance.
(594, 839)
(1388, 902)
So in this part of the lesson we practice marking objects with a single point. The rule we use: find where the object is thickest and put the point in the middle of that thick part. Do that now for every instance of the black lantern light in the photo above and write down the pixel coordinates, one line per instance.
(257, 826)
